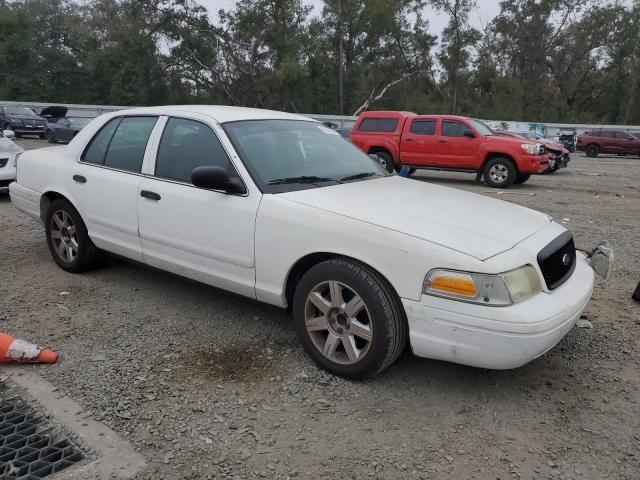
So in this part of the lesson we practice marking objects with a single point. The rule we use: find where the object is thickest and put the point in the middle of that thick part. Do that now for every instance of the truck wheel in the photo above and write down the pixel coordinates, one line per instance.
(386, 161)
(68, 239)
(593, 151)
(500, 172)
(522, 177)
(348, 319)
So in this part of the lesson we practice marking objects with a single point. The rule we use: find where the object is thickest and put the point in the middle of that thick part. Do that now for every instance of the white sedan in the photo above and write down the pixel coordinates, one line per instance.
(8, 152)
(279, 208)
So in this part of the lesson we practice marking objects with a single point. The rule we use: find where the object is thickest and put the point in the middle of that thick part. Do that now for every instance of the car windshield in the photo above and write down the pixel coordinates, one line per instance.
(298, 153)
(482, 128)
(19, 111)
(79, 121)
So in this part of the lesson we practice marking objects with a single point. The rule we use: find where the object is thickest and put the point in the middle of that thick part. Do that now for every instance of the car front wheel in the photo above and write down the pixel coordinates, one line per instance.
(348, 319)
(386, 161)
(522, 177)
(592, 151)
(51, 138)
(500, 172)
(68, 239)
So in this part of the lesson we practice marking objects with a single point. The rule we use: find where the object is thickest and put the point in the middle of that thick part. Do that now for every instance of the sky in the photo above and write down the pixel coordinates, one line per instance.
(483, 14)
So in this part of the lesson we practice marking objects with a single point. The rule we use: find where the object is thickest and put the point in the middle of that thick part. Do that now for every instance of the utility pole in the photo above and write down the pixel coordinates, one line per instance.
(635, 74)
(340, 59)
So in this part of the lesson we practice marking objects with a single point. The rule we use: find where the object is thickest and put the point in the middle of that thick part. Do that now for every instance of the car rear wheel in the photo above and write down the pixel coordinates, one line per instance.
(386, 161)
(348, 319)
(522, 177)
(500, 172)
(68, 239)
(593, 151)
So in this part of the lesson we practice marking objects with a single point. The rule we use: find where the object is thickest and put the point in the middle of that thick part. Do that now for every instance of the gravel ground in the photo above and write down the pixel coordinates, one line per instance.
(206, 384)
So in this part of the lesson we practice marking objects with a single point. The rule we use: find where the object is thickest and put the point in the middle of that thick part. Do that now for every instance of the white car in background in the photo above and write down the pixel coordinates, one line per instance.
(279, 208)
(8, 152)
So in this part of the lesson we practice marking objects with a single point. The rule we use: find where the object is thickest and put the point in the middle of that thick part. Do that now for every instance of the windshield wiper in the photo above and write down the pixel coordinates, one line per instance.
(358, 176)
(302, 179)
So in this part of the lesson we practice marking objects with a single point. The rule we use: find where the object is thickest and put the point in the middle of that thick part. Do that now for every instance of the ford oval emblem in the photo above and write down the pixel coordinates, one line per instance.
(566, 259)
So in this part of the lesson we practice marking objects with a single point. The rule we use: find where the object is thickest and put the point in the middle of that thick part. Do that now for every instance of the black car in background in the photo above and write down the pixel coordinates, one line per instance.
(60, 127)
(22, 120)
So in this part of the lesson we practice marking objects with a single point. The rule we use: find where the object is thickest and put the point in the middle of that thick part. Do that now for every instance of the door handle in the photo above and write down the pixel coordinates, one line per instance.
(442, 141)
(408, 139)
(79, 179)
(150, 195)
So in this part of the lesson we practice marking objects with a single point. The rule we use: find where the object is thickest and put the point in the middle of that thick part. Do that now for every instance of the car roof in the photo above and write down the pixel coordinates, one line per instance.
(386, 114)
(220, 113)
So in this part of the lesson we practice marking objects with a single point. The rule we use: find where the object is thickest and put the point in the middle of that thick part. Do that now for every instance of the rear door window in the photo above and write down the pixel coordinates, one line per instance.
(423, 127)
(608, 134)
(187, 144)
(129, 142)
(378, 125)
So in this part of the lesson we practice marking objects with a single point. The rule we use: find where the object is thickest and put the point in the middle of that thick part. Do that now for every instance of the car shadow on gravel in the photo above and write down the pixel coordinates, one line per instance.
(468, 182)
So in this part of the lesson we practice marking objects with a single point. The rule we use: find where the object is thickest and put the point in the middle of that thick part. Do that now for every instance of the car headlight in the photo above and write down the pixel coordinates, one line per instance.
(17, 121)
(495, 290)
(531, 148)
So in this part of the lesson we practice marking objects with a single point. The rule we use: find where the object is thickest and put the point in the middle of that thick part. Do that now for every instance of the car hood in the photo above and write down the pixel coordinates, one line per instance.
(7, 146)
(511, 140)
(469, 223)
(54, 112)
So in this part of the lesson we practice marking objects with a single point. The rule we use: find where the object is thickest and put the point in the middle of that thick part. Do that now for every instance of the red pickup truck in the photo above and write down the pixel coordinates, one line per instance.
(447, 142)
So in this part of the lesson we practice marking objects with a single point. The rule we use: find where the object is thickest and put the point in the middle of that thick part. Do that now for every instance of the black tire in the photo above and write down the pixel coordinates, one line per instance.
(51, 138)
(505, 168)
(522, 177)
(412, 171)
(388, 323)
(592, 150)
(42, 136)
(386, 161)
(87, 255)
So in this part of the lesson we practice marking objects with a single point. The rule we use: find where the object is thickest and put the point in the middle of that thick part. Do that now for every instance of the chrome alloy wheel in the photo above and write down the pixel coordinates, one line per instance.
(499, 173)
(64, 236)
(338, 322)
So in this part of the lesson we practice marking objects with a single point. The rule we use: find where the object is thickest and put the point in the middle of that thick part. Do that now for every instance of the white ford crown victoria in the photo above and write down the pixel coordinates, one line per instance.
(279, 208)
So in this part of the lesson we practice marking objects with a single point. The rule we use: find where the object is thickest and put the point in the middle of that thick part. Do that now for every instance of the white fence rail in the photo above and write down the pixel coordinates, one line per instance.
(343, 121)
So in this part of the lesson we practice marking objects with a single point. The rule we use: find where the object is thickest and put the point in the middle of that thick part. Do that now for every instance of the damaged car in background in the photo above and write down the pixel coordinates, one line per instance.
(281, 209)
(558, 154)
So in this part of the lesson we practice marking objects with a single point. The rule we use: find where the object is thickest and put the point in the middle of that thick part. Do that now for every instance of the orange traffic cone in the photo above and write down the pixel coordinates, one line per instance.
(15, 350)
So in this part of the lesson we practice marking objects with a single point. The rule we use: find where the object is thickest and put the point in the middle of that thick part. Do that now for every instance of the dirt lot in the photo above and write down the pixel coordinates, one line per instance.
(206, 384)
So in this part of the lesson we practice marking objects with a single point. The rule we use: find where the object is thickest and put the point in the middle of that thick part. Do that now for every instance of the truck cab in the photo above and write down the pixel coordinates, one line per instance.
(448, 142)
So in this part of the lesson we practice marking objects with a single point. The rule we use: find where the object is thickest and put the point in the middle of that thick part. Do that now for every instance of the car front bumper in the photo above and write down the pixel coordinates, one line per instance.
(28, 129)
(498, 337)
(534, 164)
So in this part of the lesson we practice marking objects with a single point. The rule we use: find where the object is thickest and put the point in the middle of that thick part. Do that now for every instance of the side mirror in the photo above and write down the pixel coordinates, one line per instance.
(216, 178)
(469, 134)
(9, 134)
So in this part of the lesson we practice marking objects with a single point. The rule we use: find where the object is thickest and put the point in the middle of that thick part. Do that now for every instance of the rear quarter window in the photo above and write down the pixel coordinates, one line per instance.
(378, 125)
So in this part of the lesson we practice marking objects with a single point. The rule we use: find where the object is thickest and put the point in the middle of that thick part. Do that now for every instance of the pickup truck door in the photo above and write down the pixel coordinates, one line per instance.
(202, 234)
(456, 147)
(105, 181)
(418, 142)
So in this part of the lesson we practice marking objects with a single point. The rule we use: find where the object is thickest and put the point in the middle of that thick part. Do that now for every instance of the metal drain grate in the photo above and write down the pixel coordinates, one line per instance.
(29, 447)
